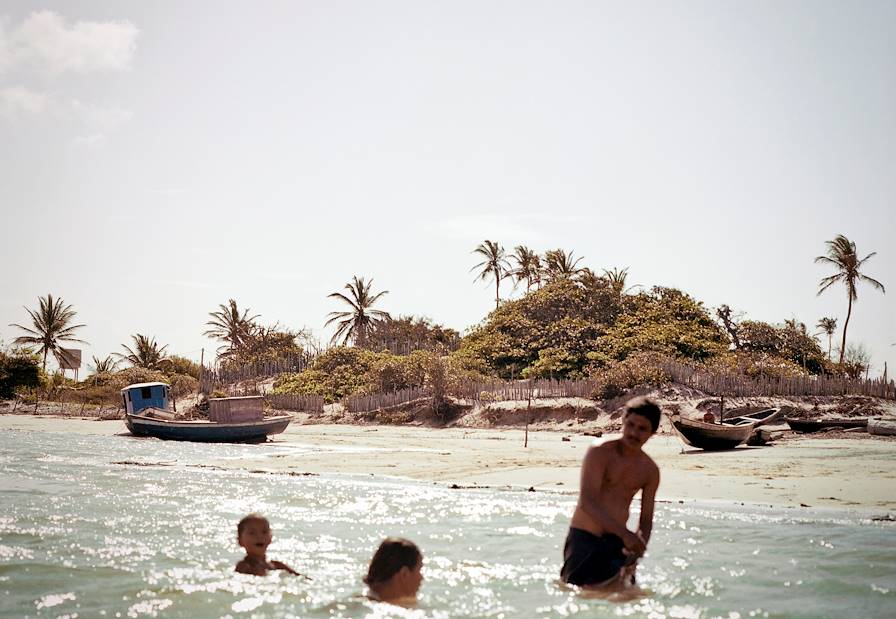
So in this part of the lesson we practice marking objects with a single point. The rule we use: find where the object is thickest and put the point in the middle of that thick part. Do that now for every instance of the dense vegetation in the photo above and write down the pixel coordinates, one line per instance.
(570, 323)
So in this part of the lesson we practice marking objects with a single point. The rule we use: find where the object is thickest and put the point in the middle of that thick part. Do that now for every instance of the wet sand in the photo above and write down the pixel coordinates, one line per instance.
(858, 473)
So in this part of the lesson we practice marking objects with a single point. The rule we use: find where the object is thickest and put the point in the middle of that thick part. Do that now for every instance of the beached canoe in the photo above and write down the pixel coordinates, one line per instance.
(816, 425)
(147, 423)
(759, 418)
(711, 436)
(882, 427)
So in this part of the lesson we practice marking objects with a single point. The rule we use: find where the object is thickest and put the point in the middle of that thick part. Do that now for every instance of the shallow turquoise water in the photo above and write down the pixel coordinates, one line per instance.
(82, 536)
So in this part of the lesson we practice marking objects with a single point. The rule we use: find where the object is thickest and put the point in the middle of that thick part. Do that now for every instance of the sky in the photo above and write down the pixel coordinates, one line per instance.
(160, 158)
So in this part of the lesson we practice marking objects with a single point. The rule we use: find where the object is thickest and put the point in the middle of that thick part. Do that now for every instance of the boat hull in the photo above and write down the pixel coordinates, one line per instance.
(759, 418)
(816, 425)
(711, 436)
(206, 431)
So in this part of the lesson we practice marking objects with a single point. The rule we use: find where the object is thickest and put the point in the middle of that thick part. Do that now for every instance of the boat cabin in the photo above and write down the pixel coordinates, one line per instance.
(144, 395)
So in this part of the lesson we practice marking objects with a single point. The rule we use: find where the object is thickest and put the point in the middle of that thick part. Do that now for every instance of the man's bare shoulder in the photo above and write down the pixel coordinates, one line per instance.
(603, 451)
(650, 465)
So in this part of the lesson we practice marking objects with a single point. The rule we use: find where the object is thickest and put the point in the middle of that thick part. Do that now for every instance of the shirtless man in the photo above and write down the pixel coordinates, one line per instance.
(599, 549)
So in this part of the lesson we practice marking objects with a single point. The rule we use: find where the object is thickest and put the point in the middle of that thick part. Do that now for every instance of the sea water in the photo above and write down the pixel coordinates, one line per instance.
(114, 526)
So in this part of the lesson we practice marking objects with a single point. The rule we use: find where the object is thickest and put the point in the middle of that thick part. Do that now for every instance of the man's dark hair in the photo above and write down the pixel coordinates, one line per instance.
(392, 555)
(645, 407)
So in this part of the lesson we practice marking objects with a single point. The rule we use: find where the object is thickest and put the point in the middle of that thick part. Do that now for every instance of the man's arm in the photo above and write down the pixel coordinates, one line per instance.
(648, 496)
(593, 468)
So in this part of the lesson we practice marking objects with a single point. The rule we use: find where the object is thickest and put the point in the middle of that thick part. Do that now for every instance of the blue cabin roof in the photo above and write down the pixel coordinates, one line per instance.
(140, 396)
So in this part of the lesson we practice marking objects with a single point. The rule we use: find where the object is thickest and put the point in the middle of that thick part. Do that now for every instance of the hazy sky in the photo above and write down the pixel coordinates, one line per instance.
(159, 158)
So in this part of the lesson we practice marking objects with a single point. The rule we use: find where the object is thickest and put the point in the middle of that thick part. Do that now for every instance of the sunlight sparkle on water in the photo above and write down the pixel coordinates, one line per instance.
(82, 535)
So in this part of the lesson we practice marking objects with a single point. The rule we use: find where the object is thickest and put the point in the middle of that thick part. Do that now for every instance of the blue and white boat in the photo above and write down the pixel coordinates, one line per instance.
(147, 413)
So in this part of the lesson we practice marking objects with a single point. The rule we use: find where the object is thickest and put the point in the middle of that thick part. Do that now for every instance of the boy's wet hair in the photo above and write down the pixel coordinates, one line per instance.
(393, 554)
(253, 517)
(645, 407)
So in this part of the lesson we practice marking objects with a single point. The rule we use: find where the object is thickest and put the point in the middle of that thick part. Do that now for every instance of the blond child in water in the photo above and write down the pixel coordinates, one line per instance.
(394, 573)
(253, 533)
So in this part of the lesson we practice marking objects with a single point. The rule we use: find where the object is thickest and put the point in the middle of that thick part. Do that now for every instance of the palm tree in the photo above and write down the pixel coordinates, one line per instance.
(356, 323)
(616, 280)
(145, 354)
(559, 264)
(828, 326)
(842, 255)
(494, 264)
(230, 326)
(528, 266)
(103, 365)
(51, 326)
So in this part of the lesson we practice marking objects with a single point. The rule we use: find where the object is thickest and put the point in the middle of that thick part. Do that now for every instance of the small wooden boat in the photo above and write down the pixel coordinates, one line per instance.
(806, 426)
(712, 436)
(231, 420)
(764, 417)
(147, 424)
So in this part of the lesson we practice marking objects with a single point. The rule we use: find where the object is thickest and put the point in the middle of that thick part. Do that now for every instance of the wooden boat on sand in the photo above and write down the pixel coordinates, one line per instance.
(231, 420)
(713, 436)
(806, 426)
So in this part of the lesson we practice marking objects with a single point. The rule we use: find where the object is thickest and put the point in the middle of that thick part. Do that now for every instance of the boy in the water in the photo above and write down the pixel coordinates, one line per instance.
(600, 551)
(254, 534)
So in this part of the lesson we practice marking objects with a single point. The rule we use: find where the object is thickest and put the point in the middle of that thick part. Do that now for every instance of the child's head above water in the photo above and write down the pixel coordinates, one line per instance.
(394, 572)
(253, 533)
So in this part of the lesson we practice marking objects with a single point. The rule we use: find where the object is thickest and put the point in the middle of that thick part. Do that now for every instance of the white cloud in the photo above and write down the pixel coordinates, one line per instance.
(45, 40)
(18, 101)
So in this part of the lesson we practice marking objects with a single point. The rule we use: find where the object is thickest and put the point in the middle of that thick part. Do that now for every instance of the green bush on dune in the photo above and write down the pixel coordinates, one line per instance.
(570, 329)
(18, 370)
(345, 371)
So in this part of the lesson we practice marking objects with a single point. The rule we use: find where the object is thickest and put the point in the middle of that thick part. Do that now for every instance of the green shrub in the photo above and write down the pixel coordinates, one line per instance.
(18, 370)
(617, 377)
(130, 376)
(335, 374)
(756, 365)
(175, 365)
(99, 394)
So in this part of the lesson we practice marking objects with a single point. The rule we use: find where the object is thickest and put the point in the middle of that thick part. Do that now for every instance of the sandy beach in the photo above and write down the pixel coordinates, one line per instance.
(798, 472)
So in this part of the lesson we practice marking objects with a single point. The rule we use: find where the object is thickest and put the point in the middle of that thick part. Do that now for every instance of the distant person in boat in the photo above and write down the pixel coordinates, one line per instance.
(254, 534)
(600, 552)
(394, 574)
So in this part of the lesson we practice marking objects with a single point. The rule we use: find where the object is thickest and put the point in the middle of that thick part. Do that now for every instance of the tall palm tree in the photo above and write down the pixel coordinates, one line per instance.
(103, 365)
(560, 264)
(356, 323)
(231, 327)
(828, 326)
(843, 257)
(51, 324)
(528, 266)
(494, 264)
(145, 353)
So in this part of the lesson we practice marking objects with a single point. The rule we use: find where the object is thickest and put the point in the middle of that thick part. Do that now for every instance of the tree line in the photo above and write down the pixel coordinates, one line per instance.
(616, 326)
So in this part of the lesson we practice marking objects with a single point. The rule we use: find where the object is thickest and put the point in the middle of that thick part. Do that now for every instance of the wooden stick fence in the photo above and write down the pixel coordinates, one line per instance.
(292, 402)
(741, 385)
(214, 377)
(712, 383)
(376, 401)
(491, 391)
